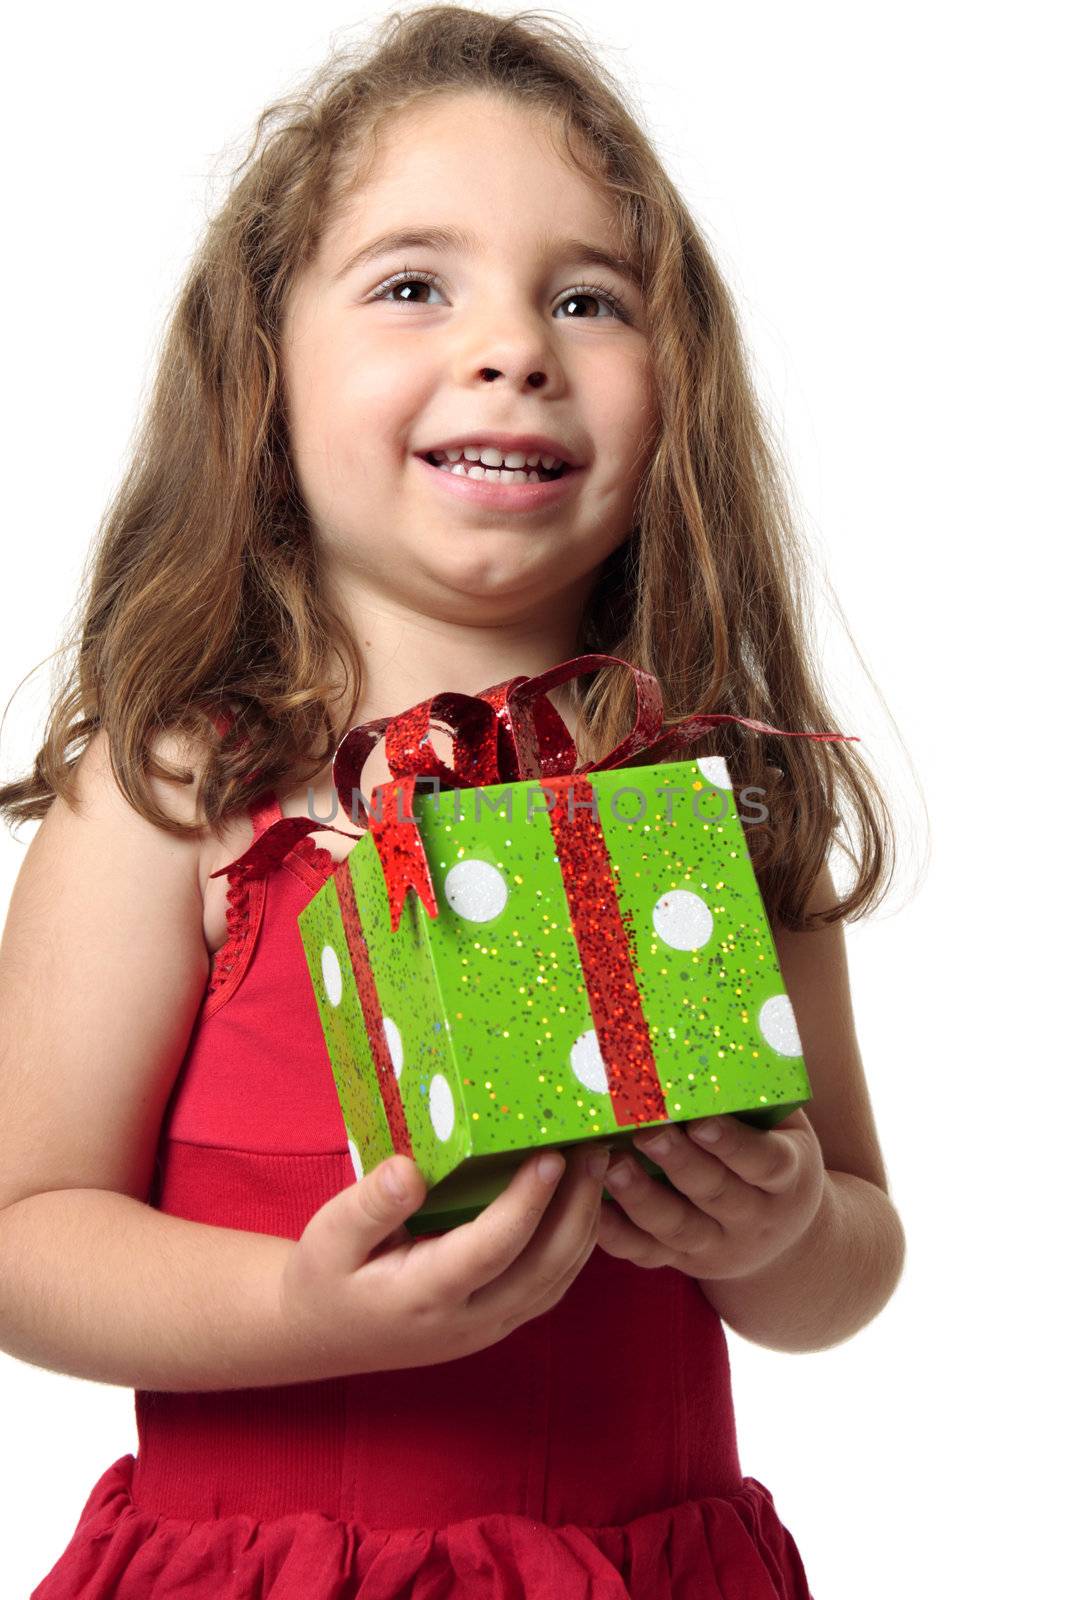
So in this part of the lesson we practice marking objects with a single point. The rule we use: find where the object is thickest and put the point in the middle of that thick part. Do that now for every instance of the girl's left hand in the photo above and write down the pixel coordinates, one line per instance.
(728, 1209)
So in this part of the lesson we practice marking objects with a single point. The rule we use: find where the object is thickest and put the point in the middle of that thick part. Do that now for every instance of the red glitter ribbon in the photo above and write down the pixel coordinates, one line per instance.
(603, 949)
(508, 733)
(370, 1006)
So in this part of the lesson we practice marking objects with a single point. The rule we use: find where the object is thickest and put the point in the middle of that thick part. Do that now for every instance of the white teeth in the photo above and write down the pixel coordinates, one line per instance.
(490, 456)
(493, 474)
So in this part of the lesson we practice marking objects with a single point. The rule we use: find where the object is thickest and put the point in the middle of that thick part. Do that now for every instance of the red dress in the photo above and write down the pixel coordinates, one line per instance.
(589, 1455)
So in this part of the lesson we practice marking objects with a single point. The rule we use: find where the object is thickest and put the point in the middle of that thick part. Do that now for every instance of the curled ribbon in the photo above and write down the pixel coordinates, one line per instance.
(509, 733)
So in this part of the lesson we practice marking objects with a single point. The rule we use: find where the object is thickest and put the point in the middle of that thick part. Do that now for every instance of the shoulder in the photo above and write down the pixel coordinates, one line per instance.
(173, 778)
(101, 809)
(176, 764)
(94, 848)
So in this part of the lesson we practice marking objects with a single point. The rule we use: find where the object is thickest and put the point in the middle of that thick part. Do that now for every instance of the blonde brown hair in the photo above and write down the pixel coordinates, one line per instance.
(204, 590)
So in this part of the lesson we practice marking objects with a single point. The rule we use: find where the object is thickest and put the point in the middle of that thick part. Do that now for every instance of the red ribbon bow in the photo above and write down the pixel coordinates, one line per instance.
(509, 733)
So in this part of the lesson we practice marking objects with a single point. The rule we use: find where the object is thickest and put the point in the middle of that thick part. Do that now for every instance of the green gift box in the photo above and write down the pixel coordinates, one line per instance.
(586, 952)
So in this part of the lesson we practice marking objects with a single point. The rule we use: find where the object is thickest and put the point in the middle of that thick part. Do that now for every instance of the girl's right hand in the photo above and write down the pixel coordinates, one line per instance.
(360, 1294)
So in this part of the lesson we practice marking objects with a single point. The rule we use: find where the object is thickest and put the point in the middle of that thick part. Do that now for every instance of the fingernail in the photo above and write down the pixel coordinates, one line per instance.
(394, 1183)
(618, 1176)
(706, 1132)
(550, 1165)
(596, 1161)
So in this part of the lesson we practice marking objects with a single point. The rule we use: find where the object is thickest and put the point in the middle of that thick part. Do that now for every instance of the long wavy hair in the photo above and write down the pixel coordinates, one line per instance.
(204, 592)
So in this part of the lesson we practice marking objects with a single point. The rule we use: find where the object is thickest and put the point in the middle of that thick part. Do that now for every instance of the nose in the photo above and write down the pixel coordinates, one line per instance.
(519, 354)
(535, 379)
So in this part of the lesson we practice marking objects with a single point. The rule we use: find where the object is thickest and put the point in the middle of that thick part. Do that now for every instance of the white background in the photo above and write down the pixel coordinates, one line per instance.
(882, 189)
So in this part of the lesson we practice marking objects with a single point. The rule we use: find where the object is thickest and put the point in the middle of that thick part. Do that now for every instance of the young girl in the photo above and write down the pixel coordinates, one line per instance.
(456, 248)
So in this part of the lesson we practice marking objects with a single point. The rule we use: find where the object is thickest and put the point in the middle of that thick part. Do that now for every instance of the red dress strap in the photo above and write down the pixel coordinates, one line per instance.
(311, 862)
(245, 897)
(264, 811)
(244, 913)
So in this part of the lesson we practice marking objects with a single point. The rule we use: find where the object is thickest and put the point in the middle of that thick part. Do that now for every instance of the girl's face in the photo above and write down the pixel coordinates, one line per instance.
(509, 337)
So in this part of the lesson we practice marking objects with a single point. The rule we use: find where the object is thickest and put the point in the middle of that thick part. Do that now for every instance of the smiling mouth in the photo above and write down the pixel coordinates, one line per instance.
(475, 470)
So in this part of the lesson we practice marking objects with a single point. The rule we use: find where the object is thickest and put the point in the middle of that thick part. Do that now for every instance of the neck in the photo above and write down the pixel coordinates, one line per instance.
(408, 658)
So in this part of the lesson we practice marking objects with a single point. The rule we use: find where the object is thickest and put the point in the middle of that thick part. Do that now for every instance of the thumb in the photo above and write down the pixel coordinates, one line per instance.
(381, 1200)
(346, 1231)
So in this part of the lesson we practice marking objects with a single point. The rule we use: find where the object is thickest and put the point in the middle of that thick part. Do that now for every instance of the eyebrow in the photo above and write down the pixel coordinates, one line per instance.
(580, 251)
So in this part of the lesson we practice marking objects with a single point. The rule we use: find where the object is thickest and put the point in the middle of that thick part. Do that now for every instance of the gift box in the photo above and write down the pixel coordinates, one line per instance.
(568, 953)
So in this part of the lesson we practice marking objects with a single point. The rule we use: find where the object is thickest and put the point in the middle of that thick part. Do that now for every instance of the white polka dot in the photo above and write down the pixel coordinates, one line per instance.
(395, 1043)
(587, 1063)
(357, 1164)
(442, 1107)
(778, 1025)
(714, 769)
(331, 974)
(682, 919)
(475, 890)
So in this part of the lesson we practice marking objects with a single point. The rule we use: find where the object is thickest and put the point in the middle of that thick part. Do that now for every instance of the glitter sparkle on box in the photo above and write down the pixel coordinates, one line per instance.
(641, 927)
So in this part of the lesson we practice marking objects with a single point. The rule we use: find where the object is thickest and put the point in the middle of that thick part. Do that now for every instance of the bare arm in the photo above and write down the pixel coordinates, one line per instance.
(830, 1284)
(841, 1273)
(94, 1281)
(104, 1287)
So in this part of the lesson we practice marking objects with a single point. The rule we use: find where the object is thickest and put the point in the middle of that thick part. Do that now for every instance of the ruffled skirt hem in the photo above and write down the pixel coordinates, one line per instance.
(725, 1547)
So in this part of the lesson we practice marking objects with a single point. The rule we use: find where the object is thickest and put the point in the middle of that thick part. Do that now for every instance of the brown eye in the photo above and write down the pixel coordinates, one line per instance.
(595, 292)
(401, 281)
(600, 292)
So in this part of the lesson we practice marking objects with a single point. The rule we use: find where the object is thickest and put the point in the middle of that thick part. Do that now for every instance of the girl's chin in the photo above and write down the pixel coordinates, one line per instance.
(481, 567)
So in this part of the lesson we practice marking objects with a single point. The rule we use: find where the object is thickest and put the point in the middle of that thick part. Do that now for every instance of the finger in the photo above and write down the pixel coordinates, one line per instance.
(561, 1247)
(620, 1237)
(455, 1264)
(658, 1209)
(350, 1226)
(696, 1174)
(767, 1158)
(525, 1309)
